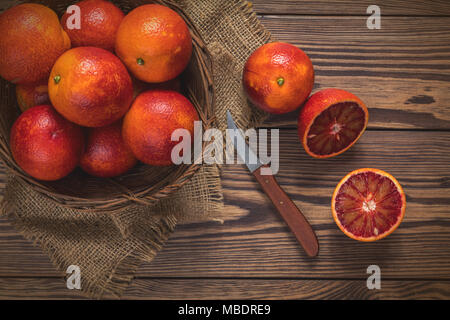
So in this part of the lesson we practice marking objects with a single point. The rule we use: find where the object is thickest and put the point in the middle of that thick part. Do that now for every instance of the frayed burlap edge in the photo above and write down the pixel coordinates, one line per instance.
(228, 59)
(201, 199)
(148, 240)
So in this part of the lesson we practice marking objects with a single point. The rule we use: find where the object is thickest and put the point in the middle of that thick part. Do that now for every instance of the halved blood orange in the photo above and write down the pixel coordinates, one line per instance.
(368, 204)
(331, 121)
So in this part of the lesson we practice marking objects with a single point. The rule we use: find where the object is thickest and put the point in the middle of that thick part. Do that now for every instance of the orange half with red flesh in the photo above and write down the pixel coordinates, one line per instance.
(331, 121)
(368, 204)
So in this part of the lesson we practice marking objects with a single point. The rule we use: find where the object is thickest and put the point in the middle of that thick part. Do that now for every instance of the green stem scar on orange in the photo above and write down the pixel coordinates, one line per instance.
(57, 79)
(140, 61)
(280, 81)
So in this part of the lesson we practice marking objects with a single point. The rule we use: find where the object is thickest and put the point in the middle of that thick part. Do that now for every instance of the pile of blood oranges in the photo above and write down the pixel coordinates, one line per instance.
(103, 94)
(368, 204)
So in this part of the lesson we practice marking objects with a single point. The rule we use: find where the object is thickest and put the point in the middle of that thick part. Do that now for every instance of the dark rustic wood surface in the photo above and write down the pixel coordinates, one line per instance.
(402, 72)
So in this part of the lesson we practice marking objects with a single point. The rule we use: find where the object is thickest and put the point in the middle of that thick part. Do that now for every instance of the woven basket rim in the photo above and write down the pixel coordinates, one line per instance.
(152, 194)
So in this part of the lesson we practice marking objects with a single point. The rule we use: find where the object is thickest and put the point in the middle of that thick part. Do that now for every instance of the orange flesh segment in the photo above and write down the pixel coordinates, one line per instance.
(336, 128)
(368, 205)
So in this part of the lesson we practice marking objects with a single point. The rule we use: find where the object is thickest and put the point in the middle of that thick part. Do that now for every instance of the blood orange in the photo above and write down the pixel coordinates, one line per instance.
(154, 42)
(368, 204)
(278, 77)
(99, 22)
(331, 121)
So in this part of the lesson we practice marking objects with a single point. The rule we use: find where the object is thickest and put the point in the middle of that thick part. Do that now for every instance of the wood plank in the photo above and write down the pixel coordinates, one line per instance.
(254, 242)
(402, 72)
(335, 7)
(218, 289)
(349, 7)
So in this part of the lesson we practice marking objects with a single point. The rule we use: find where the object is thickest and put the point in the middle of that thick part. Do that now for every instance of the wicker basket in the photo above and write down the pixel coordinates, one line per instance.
(143, 184)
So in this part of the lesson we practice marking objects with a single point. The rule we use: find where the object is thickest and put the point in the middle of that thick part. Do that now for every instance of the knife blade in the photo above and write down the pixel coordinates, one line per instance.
(291, 214)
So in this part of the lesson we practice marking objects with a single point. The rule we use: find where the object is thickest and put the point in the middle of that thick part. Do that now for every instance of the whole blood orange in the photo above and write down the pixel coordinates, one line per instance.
(31, 39)
(153, 117)
(90, 86)
(100, 21)
(154, 43)
(106, 155)
(30, 95)
(278, 77)
(368, 204)
(331, 121)
(44, 144)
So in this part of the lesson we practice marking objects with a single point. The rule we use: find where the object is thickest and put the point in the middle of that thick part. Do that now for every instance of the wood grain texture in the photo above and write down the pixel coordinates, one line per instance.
(401, 72)
(349, 7)
(254, 241)
(222, 289)
(335, 7)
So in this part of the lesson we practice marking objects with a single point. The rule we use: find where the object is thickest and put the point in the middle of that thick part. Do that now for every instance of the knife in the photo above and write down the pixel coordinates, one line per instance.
(285, 206)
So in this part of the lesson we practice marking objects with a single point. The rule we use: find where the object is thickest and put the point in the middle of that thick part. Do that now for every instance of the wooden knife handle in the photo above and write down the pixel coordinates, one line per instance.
(289, 211)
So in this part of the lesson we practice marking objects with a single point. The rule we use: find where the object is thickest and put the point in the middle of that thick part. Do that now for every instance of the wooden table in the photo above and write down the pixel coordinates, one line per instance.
(402, 72)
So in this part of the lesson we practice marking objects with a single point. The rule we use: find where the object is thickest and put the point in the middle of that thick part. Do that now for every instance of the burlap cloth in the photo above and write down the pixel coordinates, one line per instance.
(109, 248)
